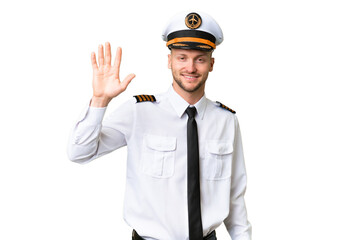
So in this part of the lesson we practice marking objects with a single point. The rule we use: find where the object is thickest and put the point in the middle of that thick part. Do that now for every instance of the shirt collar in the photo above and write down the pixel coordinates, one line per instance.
(180, 105)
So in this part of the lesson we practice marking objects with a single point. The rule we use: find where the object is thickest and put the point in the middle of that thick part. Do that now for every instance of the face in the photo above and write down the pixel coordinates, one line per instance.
(190, 69)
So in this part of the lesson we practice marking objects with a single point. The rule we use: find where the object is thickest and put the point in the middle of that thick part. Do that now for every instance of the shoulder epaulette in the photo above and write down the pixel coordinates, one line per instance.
(145, 98)
(225, 107)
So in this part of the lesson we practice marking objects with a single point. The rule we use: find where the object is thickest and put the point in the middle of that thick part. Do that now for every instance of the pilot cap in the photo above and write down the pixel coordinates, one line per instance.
(192, 30)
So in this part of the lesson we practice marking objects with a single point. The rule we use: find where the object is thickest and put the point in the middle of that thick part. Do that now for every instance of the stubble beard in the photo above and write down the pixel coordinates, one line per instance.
(189, 90)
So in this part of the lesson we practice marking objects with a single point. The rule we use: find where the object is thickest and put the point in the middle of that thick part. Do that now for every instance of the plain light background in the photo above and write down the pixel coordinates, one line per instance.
(289, 68)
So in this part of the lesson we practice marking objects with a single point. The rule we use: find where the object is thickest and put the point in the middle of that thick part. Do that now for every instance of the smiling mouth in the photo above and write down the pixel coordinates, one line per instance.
(190, 77)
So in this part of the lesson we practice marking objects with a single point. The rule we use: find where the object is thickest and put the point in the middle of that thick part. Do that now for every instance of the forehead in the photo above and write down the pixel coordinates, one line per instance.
(190, 52)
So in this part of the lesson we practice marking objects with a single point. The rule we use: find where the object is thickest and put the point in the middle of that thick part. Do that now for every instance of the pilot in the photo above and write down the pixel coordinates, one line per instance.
(185, 171)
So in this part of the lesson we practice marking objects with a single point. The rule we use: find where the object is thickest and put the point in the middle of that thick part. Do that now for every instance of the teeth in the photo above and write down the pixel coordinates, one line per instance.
(189, 77)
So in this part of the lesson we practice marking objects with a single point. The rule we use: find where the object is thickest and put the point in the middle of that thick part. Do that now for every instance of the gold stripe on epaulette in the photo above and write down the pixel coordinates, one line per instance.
(145, 98)
(225, 107)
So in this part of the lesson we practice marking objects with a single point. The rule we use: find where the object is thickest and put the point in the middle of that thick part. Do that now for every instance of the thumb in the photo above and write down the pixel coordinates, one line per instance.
(126, 81)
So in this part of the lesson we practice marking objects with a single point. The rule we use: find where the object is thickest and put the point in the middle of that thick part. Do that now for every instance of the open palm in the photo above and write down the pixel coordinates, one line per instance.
(106, 81)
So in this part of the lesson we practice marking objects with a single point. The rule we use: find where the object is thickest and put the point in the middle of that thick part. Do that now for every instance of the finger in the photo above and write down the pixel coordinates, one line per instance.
(126, 81)
(107, 54)
(118, 58)
(93, 61)
(101, 55)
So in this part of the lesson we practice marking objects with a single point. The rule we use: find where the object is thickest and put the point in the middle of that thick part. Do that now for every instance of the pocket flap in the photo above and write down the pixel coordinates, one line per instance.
(219, 147)
(160, 143)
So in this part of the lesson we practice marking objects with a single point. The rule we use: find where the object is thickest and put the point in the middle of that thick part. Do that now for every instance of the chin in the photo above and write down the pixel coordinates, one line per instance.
(191, 87)
(187, 86)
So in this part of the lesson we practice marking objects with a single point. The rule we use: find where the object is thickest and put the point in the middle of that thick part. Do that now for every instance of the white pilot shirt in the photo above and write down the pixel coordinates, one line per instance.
(155, 202)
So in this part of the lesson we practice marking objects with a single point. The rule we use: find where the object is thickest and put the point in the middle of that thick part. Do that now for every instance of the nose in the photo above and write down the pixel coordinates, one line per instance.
(190, 66)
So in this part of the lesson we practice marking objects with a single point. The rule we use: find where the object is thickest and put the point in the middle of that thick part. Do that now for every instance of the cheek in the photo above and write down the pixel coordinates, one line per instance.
(175, 66)
(205, 69)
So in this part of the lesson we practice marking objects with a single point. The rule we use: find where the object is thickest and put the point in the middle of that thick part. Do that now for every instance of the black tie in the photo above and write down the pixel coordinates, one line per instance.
(194, 210)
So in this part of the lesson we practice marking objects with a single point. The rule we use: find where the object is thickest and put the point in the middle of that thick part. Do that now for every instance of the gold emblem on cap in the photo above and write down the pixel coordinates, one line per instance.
(193, 20)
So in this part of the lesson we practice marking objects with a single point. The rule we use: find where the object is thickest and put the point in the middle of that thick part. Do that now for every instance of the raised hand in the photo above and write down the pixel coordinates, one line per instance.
(106, 81)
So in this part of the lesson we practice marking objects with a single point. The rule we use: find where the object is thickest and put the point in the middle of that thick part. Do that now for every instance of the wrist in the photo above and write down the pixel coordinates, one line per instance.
(99, 102)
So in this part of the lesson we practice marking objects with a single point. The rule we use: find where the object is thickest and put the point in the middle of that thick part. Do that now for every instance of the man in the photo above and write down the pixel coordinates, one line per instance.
(185, 167)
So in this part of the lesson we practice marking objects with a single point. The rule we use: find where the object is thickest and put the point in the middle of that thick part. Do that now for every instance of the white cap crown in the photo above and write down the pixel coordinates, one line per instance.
(192, 30)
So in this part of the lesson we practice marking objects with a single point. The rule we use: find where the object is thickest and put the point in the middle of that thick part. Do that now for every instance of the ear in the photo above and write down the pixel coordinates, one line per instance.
(212, 64)
(169, 61)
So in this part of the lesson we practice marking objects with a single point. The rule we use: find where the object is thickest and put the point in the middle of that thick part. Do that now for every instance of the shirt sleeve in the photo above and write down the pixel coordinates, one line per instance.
(93, 137)
(237, 222)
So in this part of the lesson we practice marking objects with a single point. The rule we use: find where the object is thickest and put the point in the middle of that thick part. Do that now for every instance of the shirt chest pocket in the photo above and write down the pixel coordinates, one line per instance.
(158, 156)
(218, 160)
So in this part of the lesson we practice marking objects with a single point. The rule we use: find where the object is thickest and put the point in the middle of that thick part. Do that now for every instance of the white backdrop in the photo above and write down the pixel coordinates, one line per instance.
(289, 68)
